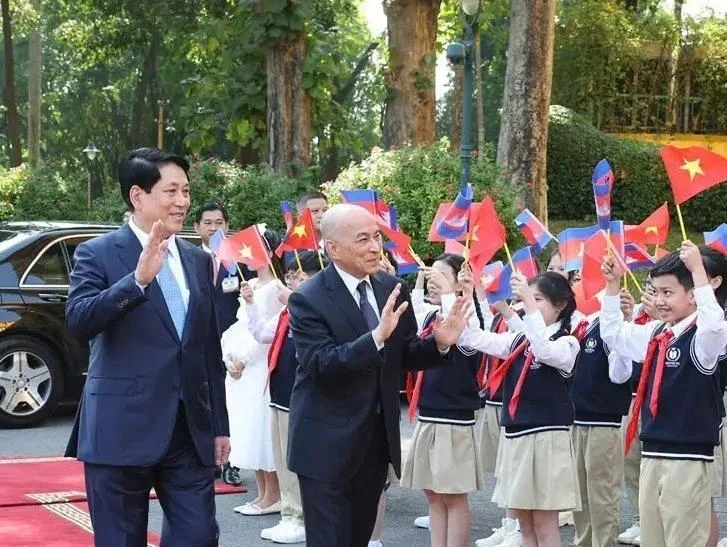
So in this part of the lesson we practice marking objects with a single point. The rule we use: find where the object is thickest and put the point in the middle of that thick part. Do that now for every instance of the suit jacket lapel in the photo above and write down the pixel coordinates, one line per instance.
(380, 292)
(344, 300)
(130, 249)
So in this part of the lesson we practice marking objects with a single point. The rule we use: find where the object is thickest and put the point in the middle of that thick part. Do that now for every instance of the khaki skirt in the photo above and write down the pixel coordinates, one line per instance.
(443, 458)
(537, 472)
(717, 468)
(490, 437)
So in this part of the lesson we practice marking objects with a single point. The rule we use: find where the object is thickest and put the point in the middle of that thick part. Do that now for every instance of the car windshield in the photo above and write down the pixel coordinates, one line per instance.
(9, 238)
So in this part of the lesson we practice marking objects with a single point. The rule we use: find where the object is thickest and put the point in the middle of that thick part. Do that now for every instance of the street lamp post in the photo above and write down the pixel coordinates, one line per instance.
(463, 53)
(91, 152)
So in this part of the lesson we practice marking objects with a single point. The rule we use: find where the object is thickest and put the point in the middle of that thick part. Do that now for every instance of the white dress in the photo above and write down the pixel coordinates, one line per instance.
(247, 398)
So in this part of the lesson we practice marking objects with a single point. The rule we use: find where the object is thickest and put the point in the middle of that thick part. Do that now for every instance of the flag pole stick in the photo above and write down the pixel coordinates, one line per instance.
(467, 248)
(681, 222)
(626, 282)
(267, 246)
(297, 260)
(611, 252)
(509, 256)
(416, 257)
(656, 251)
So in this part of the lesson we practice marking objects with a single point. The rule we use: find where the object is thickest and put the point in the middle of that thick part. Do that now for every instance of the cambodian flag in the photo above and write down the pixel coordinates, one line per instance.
(524, 262)
(637, 257)
(215, 241)
(572, 242)
(455, 223)
(602, 186)
(717, 239)
(287, 209)
(491, 272)
(534, 231)
(618, 237)
(370, 200)
(405, 262)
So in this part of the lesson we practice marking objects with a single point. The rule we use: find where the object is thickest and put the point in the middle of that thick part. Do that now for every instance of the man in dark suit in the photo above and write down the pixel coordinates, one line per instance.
(354, 330)
(153, 410)
(210, 218)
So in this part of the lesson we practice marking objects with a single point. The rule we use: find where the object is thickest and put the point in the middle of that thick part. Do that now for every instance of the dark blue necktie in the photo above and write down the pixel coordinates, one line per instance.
(369, 315)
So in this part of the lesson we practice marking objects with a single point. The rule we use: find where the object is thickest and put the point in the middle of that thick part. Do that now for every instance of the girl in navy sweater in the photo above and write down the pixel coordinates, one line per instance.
(537, 476)
(443, 459)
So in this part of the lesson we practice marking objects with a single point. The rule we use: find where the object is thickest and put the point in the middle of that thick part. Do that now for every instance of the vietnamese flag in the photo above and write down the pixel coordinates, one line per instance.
(692, 170)
(246, 247)
(487, 234)
(594, 250)
(302, 236)
(652, 231)
(586, 306)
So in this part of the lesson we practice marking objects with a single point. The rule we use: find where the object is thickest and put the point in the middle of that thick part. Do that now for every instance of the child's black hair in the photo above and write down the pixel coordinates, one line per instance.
(557, 290)
(715, 264)
(309, 262)
(456, 262)
(272, 241)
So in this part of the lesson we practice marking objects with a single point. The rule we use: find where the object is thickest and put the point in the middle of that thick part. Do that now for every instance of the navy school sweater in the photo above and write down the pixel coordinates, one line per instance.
(283, 377)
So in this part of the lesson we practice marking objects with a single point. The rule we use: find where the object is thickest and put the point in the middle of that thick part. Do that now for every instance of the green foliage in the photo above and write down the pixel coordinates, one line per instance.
(574, 149)
(417, 180)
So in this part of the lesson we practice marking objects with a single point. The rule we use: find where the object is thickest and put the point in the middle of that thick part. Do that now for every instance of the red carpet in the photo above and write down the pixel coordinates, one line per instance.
(51, 480)
(53, 525)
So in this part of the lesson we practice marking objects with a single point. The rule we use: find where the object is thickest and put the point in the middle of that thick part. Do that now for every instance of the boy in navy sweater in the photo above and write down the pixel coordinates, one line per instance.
(282, 364)
(678, 399)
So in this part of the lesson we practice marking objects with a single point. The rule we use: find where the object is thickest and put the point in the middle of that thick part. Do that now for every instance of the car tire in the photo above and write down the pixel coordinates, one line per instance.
(40, 362)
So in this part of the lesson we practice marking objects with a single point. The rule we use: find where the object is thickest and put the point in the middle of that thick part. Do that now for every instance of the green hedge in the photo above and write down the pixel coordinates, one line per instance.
(417, 180)
(575, 147)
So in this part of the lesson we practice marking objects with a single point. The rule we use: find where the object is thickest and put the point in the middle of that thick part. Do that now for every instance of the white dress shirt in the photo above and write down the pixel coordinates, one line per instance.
(352, 284)
(175, 261)
(560, 353)
(632, 340)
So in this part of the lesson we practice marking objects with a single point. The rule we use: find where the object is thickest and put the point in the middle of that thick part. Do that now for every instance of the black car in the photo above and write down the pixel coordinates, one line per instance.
(41, 364)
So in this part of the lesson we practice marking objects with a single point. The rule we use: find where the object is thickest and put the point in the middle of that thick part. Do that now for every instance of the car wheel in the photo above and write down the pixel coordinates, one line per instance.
(31, 382)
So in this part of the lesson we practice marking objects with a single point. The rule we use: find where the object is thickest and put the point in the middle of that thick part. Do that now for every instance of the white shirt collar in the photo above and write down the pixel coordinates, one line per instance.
(681, 326)
(350, 281)
(143, 237)
(206, 249)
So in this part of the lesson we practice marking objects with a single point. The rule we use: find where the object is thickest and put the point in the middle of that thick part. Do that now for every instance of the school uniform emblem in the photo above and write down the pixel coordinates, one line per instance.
(672, 357)
(591, 344)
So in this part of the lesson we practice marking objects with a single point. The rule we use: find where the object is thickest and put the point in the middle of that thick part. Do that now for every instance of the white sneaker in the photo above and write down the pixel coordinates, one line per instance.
(290, 533)
(267, 533)
(630, 534)
(722, 542)
(499, 534)
(422, 522)
(512, 539)
(565, 519)
(375, 543)
(636, 540)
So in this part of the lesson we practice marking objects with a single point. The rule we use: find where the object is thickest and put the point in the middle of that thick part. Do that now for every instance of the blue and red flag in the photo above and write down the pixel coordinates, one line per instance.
(533, 230)
(638, 257)
(490, 272)
(524, 262)
(602, 187)
(618, 237)
(405, 261)
(287, 209)
(572, 242)
(370, 200)
(215, 241)
(455, 222)
(717, 239)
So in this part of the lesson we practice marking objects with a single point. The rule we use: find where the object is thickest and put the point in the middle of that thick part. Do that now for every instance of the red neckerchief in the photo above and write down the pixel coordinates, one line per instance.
(281, 333)
(642, 317)
(581, 329)
(497, 376)
(414, 383)
(489, 362)
(657, 348)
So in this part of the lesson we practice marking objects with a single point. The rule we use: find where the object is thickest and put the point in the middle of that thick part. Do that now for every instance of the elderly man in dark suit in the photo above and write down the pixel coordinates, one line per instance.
(354, 331)
(153, 410)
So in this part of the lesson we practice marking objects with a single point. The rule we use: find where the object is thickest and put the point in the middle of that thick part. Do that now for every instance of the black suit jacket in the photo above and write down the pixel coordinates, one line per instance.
(227, 304)
(340, 373)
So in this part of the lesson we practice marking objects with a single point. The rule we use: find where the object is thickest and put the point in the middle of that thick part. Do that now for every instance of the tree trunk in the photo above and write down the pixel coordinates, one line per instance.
(523, 142)
(411, 107)
(455, 126)
(671, 117)
(289, 107)
(141, 111)
(11, 107)
(480, 103)
(34, 90)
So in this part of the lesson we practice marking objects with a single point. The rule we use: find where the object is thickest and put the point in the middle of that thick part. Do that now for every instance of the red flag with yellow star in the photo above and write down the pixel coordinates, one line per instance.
(302, 236)
(487, 234)
(653, 231)
(692, 170)
(246, 247)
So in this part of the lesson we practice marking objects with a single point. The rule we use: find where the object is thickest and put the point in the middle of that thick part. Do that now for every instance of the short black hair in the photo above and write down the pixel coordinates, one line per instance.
(211, 206)
(302, 200)
(310, 262)
(141, 168)
(715, 264)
